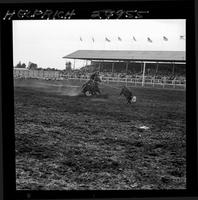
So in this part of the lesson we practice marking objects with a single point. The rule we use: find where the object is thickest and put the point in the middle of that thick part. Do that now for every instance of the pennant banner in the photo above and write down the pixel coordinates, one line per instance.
(149, 40)
(119, 39)
(106, 39)
(181, 37)
(165, 38)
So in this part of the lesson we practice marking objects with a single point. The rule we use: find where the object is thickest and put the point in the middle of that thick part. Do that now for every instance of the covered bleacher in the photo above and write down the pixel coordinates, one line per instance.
(164, 68)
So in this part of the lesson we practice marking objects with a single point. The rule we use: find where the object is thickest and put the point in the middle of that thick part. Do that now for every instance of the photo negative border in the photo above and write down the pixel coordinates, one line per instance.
(156, 9)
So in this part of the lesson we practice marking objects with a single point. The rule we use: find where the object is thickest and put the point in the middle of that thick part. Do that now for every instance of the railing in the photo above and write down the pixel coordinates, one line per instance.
(138, 81)
(41, 74)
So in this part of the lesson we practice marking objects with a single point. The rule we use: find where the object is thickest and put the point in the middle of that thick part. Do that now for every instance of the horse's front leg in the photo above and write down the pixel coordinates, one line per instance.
(129, 100)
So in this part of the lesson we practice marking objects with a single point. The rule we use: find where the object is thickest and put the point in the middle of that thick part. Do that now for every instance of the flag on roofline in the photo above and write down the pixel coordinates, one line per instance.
(106, 39)
(149, 40)
(165, 38)
(134, 38)
(119, 38)
(181, 37)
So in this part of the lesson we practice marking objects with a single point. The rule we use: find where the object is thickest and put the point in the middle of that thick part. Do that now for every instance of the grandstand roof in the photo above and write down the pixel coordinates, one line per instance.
(165, 56)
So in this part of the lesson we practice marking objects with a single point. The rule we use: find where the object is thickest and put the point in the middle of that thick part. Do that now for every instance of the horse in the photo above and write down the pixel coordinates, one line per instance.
(91, 86)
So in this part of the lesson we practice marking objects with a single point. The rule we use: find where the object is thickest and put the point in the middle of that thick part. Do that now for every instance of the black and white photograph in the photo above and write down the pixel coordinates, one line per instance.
(100, 104)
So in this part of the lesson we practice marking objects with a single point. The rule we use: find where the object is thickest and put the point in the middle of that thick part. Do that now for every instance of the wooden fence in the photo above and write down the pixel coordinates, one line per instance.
(138, 81)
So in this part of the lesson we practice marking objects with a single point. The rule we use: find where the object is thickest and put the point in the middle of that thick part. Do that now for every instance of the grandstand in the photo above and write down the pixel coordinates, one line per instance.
(145, 68)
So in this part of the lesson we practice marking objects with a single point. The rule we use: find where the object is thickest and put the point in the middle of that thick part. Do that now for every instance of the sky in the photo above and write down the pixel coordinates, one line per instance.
(46, 42)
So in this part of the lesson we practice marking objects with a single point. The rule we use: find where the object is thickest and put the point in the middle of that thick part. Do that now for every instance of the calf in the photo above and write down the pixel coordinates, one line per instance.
(127, 94)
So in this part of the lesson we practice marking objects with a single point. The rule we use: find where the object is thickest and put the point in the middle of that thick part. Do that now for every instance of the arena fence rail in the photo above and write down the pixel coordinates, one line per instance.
(137, 81)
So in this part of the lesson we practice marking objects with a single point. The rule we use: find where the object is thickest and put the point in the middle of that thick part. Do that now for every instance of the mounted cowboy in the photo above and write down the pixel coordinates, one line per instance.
(91, 86)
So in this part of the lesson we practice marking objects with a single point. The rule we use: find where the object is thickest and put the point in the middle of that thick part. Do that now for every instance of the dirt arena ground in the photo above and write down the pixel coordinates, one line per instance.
(65, 141)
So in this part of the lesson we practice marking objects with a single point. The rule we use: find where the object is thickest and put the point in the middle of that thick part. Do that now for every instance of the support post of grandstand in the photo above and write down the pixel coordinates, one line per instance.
(157, 68)
(127, 64)
(173, 67)
(174, 82)
(153, 81)
(113, 67)
(118, 81)
(99, 66)
(143, 75)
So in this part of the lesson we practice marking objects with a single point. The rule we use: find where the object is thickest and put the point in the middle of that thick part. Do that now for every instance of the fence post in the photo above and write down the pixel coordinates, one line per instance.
(118, 80)
(153, 81)
(143, 75)
(164, 82)
(173, 83)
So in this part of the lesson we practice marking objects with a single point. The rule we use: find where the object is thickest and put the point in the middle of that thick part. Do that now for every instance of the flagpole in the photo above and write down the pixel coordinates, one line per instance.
(105, 44)
(81, 40)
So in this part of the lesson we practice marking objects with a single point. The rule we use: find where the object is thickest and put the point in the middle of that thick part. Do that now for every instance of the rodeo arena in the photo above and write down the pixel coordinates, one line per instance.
(116, 123)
